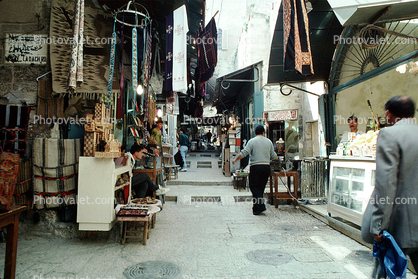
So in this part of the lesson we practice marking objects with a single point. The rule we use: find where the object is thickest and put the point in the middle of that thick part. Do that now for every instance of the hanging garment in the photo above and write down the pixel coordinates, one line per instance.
(207, 51)
(75, 74)
(297, 49)
(169, 53)
(176, 57)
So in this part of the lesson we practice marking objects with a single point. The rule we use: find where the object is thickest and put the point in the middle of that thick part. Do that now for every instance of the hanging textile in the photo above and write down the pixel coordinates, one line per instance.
(147, 75)
(75, 75)
(297, 48)
(111, 65)
(207, 51)
(176, 109)
(119, 110)
(169, 53)
(96, 51)
(180, 49)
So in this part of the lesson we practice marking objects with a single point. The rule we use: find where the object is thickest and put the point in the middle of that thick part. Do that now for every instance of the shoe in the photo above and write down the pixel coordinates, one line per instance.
(162, 191)
(258, 212)
(183, 170)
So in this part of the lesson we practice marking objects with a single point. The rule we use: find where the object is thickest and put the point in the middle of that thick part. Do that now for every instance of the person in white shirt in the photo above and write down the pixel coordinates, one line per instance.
(352, 124)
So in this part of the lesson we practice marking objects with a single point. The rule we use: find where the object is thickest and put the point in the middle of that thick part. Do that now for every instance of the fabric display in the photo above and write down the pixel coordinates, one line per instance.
(9, 166)
(207, 51)
(47, 105)
(23, 194)
(297, 48)
(111, 66)
(13, 126)
(147, 76)
(75, 71)
(176, 50)
(55, 169)
(169, 53)
(97, 54)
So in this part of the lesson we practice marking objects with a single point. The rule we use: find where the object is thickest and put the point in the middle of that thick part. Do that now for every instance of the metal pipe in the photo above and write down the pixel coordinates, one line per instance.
(282, 84)
(38, 78)
(240, 80)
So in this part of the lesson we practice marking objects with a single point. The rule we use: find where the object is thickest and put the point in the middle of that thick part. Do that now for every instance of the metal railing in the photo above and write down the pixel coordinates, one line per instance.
(314, 178)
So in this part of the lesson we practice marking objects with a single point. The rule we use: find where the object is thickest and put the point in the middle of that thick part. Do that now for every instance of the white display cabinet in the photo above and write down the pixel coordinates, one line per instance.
(98, 194)
(351, 184)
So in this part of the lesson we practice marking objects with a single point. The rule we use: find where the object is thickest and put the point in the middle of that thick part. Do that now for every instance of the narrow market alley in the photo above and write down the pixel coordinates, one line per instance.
(203, 231)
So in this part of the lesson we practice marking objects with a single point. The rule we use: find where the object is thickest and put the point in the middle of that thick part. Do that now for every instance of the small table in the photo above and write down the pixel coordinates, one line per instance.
(130, 223)
(171, 170)
(240, 180)
(11, 220)
(275, 195)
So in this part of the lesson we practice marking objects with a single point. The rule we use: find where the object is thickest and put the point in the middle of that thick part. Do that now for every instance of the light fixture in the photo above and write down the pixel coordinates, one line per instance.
(139, 90)
(156, 119)
(159, 112)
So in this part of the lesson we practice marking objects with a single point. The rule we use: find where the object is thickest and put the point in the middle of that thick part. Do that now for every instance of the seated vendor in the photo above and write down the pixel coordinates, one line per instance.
(142, 185)
(352, 124)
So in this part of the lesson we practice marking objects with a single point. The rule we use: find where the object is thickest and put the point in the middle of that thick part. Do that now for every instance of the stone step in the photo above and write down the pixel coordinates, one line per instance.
(204, 166)
(243, 197)
(200, 183)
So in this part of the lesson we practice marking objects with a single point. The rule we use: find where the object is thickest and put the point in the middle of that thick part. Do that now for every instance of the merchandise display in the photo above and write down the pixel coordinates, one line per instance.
(361, 145)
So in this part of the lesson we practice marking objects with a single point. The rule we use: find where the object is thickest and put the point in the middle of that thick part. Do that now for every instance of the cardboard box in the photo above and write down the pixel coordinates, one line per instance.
(232, 141)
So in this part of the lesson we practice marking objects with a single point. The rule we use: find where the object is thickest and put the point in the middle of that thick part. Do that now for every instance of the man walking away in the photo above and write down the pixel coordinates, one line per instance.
(394, 200)
(261, 152)
(184, 143)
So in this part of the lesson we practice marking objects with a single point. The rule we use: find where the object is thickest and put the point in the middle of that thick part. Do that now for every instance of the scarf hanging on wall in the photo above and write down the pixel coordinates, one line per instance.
(169, 53)
(297, 48)
(181, 28)
(111, 65)
(147, 75)
(75, 71)
(134, 58)
(119, 110)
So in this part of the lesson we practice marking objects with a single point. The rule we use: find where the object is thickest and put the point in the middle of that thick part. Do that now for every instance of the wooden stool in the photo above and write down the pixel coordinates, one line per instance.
(240, 180)
(171, 170)
(275, 195)
(130, 225)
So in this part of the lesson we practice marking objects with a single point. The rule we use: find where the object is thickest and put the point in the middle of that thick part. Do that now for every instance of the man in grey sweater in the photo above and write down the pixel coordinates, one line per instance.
(261, 152)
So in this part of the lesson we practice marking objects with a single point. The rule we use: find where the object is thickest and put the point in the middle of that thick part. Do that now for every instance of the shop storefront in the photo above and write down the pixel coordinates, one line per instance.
(370, 66)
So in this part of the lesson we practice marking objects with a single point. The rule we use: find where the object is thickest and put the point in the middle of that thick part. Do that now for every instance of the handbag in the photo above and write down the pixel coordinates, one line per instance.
(178, 159)
(393, 262)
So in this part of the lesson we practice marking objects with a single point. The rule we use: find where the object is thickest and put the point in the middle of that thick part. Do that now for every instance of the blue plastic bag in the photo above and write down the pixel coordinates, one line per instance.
(391, 258)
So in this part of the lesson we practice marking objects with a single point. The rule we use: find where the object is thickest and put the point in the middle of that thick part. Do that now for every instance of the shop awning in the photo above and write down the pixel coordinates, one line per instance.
(356, 12)
(323, 26)
(229, 87)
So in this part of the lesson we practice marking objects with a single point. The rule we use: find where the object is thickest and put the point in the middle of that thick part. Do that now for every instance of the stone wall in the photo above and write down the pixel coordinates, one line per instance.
(18, 83)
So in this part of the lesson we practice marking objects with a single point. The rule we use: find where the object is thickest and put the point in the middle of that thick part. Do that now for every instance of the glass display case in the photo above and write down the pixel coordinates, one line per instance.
(351, 184)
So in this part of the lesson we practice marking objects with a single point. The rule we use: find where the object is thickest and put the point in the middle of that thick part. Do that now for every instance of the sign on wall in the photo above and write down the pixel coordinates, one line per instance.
(26, 49)
(281, 115)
